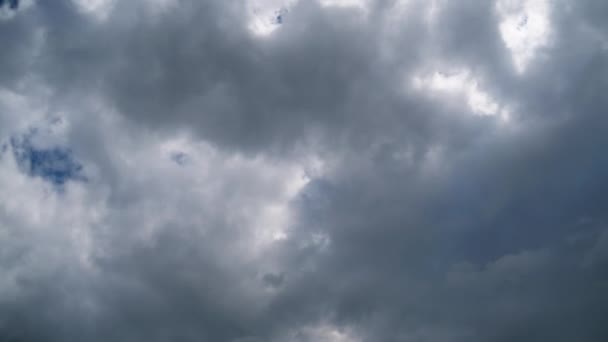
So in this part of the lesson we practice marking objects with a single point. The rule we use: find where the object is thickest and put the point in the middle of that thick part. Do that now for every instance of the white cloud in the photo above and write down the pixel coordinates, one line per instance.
(359, 4)
(525, 28)
(324, 332)
(266, 16)
(97, 9)
(461, 83)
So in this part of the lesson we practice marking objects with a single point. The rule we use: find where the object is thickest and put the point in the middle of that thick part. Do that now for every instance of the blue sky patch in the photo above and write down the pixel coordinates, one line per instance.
(179, 158)
(56, 164)
(13, 4)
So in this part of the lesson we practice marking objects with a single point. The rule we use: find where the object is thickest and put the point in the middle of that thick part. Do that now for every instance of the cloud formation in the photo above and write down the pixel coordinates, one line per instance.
(334, 171)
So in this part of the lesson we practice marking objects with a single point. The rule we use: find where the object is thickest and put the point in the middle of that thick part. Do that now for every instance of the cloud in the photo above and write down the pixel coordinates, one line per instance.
(353, 171)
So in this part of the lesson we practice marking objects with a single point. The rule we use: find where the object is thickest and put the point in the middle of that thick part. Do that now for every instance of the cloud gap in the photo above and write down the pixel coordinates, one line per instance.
(54, 164)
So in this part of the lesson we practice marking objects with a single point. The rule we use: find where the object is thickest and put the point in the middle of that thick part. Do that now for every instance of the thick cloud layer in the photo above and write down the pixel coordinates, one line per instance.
(334, 171)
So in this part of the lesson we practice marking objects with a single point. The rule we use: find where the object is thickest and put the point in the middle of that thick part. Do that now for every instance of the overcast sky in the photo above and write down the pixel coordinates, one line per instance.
(303, 170)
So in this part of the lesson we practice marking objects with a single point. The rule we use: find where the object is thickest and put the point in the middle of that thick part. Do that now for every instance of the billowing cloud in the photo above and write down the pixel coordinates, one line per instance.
(339, 171)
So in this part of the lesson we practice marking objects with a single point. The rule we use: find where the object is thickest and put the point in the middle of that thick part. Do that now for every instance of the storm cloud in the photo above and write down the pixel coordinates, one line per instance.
(303, 170)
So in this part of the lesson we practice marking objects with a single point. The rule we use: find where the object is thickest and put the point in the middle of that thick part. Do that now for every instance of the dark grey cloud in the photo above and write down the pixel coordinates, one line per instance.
(348, 177)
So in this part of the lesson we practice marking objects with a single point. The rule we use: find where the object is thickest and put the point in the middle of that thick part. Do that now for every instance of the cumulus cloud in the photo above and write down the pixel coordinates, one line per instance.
(301, 170)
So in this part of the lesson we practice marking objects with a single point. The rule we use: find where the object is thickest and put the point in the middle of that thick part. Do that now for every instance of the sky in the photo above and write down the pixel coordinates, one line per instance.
(303, 170)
